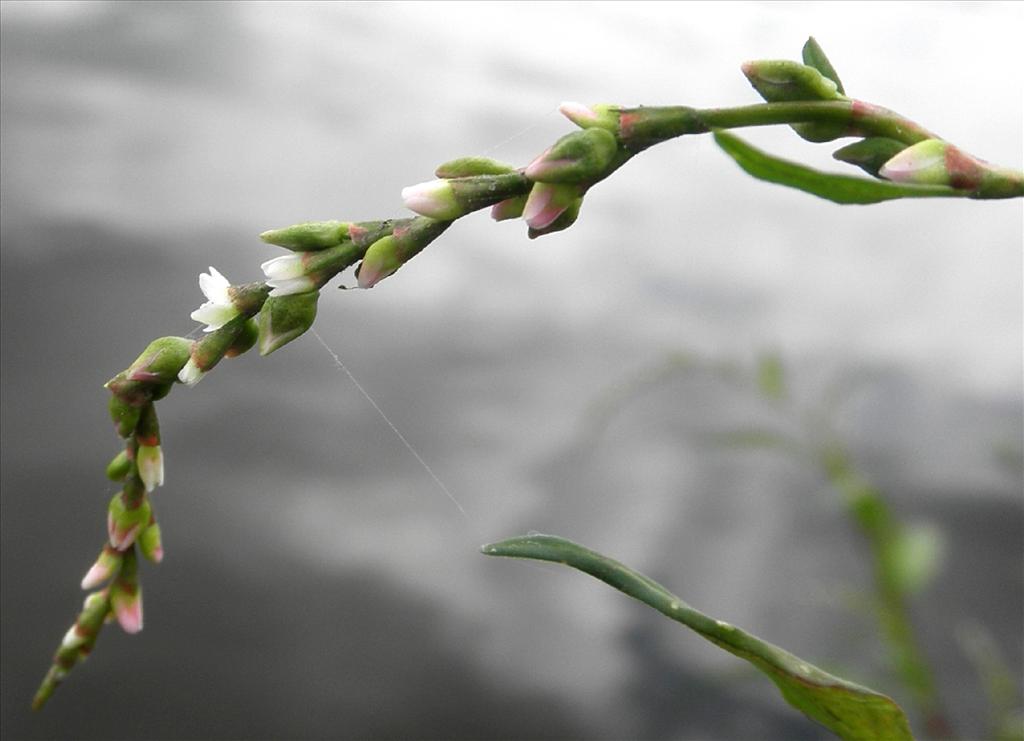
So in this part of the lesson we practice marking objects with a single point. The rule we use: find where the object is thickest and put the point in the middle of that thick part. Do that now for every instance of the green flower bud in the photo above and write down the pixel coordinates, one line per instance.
(119, 468)
(151, 542)
(389, 253)
(579, 157)
(781, 80)
(107, 564)
(160, 362)
(124, 415)
(469, 166)
(308, 237)
(870, 154)
(510, 208)
(126, 594)
(548, 202)
(597, 116)
(563, 221)
(283, 318)
(246, 338)
(124, 522)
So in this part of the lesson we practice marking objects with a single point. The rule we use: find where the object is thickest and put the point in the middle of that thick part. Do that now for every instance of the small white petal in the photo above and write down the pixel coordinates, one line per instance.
(150, 460)
(283, 268)
(290, 286)
(215, 286)
(190, 375)
(72, 639)
(213, 315)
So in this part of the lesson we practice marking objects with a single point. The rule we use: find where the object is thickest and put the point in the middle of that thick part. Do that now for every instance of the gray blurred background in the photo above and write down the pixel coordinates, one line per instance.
(318, 584)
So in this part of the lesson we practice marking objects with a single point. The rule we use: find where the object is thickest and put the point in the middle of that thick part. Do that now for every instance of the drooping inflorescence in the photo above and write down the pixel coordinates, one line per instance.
(903, 159)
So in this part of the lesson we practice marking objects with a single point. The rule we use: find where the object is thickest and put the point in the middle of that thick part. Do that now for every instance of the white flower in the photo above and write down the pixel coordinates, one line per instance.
(191, 374)
(287, 275)
(150, 461)
(218, 309)
(434, 198)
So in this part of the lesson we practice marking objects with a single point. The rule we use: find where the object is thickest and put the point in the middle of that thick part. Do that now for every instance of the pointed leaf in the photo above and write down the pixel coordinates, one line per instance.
(848, 710)
(814, 56)
(842, 189)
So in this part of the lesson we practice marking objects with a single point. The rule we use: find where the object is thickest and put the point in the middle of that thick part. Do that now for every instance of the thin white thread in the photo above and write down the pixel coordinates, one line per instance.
(524, 131)
(399, 435)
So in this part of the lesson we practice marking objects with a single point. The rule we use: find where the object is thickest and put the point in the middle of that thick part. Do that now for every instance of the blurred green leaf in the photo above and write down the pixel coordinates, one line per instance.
(771, 376)
(848, 710)
(842, 189)
(915, 557)
(814, 56)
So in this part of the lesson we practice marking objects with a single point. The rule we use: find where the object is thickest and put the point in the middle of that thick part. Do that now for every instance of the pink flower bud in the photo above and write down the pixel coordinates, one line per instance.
(434, 198)
(106, 565)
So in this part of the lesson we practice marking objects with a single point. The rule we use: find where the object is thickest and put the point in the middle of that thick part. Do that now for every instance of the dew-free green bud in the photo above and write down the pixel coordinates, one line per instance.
(160, 362)
(579, 157)
(126, 594)
(124, 415)
(308, 237)
(124, 522)
(870, 154)
(248, 333)
(119, 468)
(284, 318)
(389, 253)
(510, 208)
(107, 564)
(151, 542)
(779, 80)
(468, 166)
(601, 116)
(923, 163)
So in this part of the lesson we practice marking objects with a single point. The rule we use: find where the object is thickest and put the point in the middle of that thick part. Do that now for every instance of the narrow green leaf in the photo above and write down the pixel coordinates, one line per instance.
(814, 56)
(842, 189)
(848, 710)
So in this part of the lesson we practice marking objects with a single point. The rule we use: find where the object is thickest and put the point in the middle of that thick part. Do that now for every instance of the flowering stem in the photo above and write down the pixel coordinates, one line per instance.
(548, 194)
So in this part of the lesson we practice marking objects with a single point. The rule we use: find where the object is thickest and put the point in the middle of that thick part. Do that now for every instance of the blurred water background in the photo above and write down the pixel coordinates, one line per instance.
(318, 584)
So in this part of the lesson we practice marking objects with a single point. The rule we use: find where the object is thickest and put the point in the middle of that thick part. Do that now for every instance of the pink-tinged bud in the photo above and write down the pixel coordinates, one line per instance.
(579, 157)
(935, 162)
(510, 208)
(548, 201)
(566, 219)
(126, 594)
(108, 564)
(434, 198)
(589, 117)
(151, 375)
(124, 523)
(151, 542)
(150, 460)
(389, 253)
(923, 163)
(380, 261)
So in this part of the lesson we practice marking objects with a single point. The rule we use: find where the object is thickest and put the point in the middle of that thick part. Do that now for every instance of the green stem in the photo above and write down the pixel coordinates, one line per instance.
(882, 531)
(643, 127)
